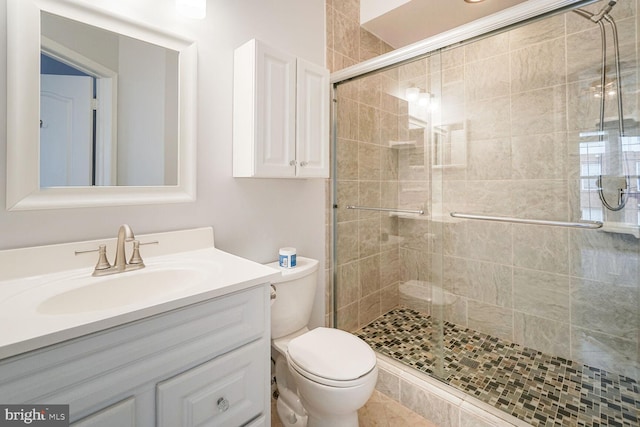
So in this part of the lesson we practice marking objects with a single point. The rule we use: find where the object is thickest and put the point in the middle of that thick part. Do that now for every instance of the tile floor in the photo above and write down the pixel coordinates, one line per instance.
(380, 411)
(537, 388)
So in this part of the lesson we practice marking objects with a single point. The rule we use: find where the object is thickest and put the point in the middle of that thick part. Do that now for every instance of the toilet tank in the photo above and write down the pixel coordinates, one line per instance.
(295, 291)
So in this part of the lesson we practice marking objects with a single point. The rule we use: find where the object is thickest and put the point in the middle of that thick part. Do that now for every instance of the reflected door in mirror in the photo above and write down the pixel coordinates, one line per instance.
(134, 137)
(66, 130)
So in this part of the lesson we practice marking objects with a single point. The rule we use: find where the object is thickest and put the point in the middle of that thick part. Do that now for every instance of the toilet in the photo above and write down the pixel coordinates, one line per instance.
(323, 375)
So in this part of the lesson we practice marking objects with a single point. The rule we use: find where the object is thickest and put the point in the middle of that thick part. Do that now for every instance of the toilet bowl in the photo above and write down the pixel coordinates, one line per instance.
(323, 375)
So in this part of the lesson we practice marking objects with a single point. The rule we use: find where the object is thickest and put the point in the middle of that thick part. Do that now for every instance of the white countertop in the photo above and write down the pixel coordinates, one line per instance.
(24, 326)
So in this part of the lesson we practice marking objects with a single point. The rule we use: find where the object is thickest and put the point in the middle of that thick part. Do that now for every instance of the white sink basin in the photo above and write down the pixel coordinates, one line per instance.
(122, 289)
(48, 295)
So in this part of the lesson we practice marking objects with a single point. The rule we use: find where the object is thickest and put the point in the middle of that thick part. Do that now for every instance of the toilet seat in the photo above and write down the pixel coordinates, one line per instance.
(331, 357)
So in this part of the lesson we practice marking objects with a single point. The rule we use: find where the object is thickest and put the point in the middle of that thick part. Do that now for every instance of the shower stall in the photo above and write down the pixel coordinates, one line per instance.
(486, 214)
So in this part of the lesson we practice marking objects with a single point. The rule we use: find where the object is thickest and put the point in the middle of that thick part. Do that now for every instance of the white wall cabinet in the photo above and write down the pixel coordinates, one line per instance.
(280, 114)
(206, 364)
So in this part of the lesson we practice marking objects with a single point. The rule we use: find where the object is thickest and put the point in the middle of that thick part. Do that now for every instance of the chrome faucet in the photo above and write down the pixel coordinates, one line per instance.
(120, 264)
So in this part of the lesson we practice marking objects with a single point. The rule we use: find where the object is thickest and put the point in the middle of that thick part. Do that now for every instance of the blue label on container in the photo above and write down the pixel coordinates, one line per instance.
(287, 261)
(284, 261)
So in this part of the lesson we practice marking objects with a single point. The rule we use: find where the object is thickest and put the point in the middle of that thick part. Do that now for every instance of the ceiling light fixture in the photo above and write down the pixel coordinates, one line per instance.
(424, 99)
(473, 1)
(412, 94)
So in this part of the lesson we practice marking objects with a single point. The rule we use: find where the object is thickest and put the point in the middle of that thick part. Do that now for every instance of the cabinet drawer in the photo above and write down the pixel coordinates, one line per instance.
(121, 414)
(260, 422)
(227, 391)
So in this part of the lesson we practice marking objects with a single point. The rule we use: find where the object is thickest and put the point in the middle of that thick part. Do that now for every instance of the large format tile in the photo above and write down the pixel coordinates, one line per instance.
(379, 411)
(606, 308)
(537, 32)
(541, 294)
(538, 66)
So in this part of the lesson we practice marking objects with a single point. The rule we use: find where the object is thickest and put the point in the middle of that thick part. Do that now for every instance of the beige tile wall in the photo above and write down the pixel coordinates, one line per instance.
(364, 115)
(522, 97)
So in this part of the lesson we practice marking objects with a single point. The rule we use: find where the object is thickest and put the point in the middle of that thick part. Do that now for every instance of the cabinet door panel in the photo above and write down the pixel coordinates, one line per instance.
(276, 112)
(312, 111)
(260, 422)
(227, 391)
(121, 414)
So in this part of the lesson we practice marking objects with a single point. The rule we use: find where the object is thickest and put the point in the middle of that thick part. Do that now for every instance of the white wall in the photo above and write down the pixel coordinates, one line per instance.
(371, 9)
(251, 217)
(142, 84)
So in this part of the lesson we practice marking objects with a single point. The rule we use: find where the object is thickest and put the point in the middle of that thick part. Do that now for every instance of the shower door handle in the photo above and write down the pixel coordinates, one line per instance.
(582, 224)
(367, 208)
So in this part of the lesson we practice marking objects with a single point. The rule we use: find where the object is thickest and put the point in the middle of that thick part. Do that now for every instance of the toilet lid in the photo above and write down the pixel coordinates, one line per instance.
(332, 354)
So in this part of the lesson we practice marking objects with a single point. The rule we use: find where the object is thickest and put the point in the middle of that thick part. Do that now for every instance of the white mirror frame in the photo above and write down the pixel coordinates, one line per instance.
(23, 112)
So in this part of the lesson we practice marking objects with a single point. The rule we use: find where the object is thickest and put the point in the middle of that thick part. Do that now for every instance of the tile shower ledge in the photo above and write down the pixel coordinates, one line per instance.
(456, 400)
(21, 292)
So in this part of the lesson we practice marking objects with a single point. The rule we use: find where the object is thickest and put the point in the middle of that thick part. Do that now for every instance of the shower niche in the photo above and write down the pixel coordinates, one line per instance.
(449, 145)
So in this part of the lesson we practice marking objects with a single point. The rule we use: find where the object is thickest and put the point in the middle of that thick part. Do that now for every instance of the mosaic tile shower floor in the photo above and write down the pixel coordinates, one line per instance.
(539, 389)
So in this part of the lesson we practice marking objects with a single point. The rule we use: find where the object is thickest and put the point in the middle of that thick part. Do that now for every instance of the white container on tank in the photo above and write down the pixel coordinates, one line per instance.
(287, 257)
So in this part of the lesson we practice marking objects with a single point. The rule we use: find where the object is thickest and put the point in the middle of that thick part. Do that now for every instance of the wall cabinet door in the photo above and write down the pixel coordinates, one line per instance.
(312, 120)
(280, 114)
(275, 112)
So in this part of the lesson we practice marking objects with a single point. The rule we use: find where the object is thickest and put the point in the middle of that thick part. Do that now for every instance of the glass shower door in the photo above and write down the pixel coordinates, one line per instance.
(528, 296)
(387, 255)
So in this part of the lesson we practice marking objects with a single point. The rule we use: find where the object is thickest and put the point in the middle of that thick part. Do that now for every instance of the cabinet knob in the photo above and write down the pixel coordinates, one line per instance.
(292, 163)
(303, 164)
(223, 404)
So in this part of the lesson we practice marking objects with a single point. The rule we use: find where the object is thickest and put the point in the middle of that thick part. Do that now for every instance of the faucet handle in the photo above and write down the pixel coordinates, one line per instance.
(103, 262)
(136, 259)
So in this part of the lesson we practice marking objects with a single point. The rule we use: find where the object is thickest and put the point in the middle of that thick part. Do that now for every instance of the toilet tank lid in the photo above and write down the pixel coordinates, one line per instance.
(304, 266)
(332, 353)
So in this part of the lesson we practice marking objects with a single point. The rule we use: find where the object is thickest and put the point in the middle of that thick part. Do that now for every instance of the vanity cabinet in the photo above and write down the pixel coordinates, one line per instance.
(121, 414)
(205, 364)
(221, 391)
(280, 114)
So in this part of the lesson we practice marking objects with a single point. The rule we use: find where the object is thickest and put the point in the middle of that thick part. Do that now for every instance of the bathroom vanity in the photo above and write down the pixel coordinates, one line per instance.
(197, 354)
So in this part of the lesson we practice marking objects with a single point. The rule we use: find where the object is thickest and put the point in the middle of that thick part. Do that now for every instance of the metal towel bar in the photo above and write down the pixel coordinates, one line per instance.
(365, 208)
(582, 224)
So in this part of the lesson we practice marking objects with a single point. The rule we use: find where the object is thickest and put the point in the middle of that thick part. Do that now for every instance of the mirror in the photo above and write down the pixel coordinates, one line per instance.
(134, 134)
(108, 107)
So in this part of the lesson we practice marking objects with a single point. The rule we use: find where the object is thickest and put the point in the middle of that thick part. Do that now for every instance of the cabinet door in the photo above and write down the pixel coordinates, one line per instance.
(227, 391)
(312, 119)
(121, 414)
(264, 96)
(260, 422)
(276, 97)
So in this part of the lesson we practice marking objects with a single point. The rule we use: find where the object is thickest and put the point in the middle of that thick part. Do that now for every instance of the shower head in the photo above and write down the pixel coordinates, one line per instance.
(597, 17)
(604, 11)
